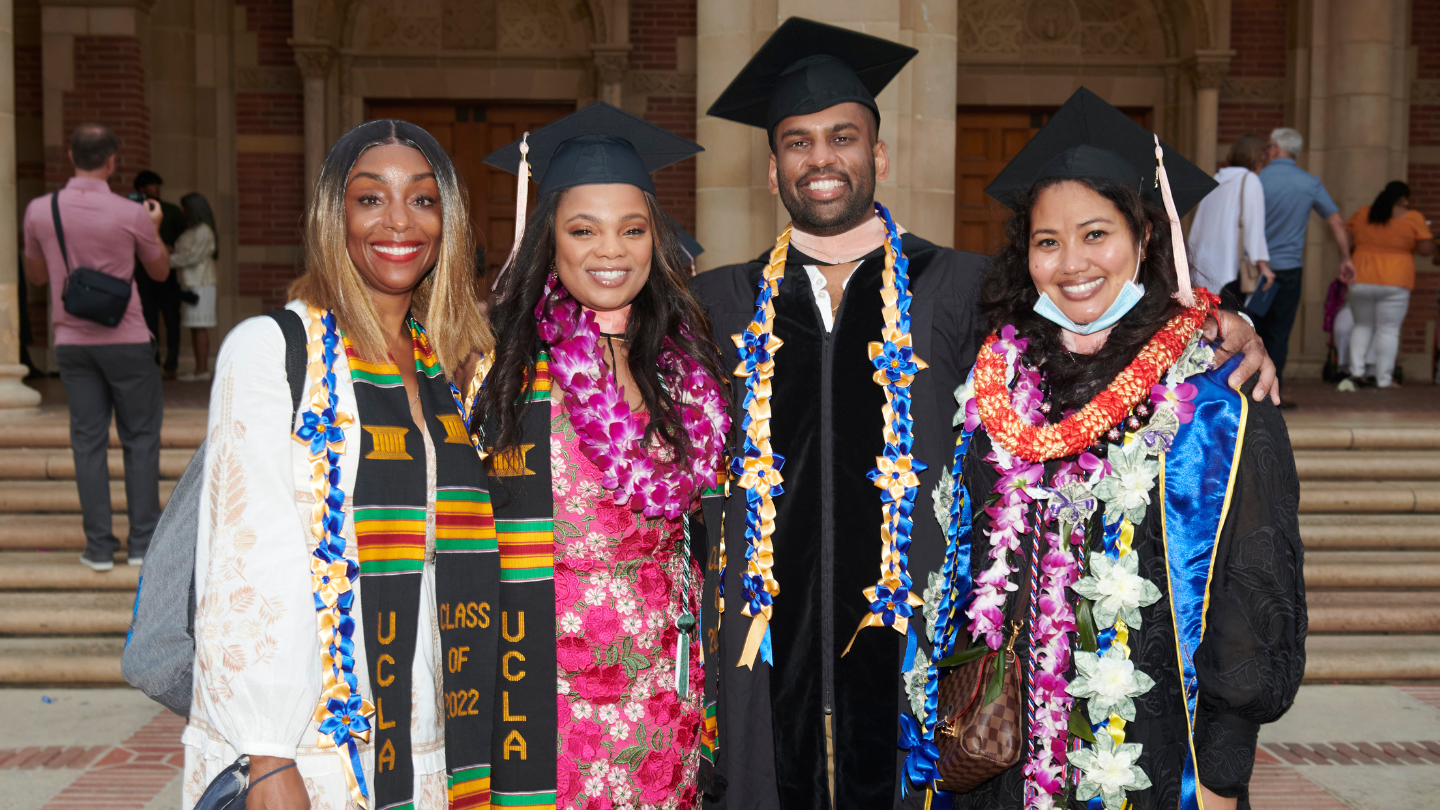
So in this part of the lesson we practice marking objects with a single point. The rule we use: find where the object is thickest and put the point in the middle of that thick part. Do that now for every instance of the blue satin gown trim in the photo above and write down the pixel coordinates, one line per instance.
(1198, 479)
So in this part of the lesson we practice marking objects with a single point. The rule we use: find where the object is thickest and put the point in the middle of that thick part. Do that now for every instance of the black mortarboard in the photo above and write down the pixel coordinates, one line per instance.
(805, 67)
(1090, 138)
(598, 144)
(692, 247)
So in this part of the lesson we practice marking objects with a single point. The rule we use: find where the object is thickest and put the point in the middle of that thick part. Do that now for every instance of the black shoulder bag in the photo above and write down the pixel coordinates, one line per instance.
(89, 293)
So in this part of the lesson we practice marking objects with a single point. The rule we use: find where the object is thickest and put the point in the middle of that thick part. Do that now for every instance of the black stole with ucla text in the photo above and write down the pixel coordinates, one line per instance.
(390, 513)
(526, 724)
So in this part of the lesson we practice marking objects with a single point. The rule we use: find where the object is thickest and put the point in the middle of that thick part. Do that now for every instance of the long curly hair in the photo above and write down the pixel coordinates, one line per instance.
(662, 312)
(1008, 296)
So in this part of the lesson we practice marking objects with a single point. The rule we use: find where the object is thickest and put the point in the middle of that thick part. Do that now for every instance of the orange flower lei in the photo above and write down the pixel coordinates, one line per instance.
(1106, 410)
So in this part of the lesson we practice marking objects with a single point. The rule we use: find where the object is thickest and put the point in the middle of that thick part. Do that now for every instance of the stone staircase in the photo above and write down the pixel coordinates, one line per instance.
(1369, 514)
(1370, 518)
(61, 623)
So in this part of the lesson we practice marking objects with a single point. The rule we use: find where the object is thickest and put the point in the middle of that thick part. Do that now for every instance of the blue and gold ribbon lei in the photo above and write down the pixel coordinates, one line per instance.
(343, 714)
(756, 468)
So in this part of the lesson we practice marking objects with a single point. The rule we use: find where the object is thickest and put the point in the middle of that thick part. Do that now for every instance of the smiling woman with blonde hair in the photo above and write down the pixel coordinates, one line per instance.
(361, 516)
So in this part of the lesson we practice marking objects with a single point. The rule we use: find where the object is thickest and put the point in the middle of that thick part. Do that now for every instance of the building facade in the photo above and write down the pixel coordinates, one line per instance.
(240, 99)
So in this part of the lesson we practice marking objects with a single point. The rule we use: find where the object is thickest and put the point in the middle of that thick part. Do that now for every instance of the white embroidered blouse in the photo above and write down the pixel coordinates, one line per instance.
(257, 654)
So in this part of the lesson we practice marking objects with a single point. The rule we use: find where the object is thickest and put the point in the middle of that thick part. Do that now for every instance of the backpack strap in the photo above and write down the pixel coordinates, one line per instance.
(294, 330)
(59, 230)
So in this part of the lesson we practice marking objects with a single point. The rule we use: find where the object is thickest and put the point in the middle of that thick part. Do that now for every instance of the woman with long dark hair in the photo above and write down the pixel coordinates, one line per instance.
(1387, 235)
(1134, 549)
(606, 389)
(194, 259)
(343, 542)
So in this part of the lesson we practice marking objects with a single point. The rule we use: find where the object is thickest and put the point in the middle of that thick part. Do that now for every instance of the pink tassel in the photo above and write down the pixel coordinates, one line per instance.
(1184, 294)
(522, 198)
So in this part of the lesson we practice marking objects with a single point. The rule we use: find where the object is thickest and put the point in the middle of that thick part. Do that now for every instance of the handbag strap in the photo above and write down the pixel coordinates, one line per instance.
(1243, 178)
(59, 230)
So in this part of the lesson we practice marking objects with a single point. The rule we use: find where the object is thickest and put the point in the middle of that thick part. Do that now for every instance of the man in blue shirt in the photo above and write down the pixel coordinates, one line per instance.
(1291, 193)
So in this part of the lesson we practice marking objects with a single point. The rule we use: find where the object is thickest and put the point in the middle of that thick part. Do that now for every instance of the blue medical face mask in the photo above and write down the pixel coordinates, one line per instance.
(1129, 296)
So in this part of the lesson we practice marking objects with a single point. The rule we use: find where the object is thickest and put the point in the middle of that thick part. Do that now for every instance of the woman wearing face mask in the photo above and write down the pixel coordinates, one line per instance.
(362, 518)
(1142, 533)
(605, 361)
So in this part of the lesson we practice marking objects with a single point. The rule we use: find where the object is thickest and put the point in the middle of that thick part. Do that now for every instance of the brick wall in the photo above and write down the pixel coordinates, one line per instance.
(29, 103)
(655, 27)
(270, 185)
(1424, 177)
(109, 90)
(1257, 34)
(269, 114)
(675, 185)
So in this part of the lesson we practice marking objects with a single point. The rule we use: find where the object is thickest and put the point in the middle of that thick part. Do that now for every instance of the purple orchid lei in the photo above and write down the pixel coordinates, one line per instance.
(1067, 503)
(609, 437)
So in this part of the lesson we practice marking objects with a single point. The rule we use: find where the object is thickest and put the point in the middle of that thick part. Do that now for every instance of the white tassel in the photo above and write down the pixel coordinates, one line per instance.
(1184, 294)
(522, 199)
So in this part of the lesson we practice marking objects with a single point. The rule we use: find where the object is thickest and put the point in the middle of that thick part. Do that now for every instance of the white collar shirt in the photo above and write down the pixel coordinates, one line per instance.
(822, 297)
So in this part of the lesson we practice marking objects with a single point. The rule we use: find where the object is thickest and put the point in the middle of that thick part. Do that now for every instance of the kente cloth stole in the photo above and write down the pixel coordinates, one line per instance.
(390, 512)
(523, 740)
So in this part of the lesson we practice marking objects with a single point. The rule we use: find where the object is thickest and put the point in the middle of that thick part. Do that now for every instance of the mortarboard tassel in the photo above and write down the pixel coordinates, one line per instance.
(1184, 293)
(522, 199)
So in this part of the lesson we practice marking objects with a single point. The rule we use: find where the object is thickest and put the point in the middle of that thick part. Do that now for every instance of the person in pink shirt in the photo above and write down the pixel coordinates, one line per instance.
(104, 369)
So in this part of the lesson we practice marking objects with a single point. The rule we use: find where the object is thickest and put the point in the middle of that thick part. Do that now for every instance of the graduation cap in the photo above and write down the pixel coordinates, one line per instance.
(598, 144)
(687, 242)
(1090, 138)
(805, 67)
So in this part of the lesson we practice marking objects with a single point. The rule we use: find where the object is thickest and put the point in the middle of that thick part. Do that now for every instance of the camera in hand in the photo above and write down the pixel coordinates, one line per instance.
(137, 196)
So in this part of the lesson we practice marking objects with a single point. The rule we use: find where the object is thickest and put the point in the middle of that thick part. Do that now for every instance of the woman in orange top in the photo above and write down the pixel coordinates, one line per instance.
(1386, 234)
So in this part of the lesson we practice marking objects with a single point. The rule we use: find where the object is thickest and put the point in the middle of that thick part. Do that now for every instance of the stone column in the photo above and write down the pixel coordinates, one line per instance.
(16, 398)
(314, 62)
(932, 29)
(1208, 72)
(610, 64)
(734, 212)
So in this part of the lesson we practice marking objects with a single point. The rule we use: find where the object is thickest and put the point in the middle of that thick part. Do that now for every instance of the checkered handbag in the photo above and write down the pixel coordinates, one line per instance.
(978, 740)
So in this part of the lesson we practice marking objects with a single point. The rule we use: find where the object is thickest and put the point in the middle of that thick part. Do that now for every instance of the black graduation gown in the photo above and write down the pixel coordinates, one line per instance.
(1251, 661)
(827, 424)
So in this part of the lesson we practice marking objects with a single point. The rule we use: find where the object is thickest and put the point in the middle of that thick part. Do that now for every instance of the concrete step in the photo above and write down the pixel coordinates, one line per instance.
(61, 496)
(62, 571)
(1380, 465)
(1372, 570)
(1341, 531)
(52, 531)
(49, 614)
(180, 429)
(1370, 497)
(69, 661)
(58, 464)
(1372, 658)
(1374, 611)
(1395, 436)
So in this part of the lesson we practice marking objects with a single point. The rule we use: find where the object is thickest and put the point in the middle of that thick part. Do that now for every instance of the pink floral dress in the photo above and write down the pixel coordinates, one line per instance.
(627, 742)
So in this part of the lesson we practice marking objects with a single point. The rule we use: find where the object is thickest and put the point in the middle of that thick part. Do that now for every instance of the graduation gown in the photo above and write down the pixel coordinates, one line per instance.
(1248, 667)
(827, 424)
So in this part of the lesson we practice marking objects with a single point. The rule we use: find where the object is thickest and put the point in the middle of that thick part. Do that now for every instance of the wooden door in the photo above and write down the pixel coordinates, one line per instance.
(987, 138)
(984, 142)
(468, 132)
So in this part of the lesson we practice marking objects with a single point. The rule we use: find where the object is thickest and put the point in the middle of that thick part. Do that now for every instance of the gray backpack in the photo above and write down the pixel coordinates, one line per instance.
(159, 657)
